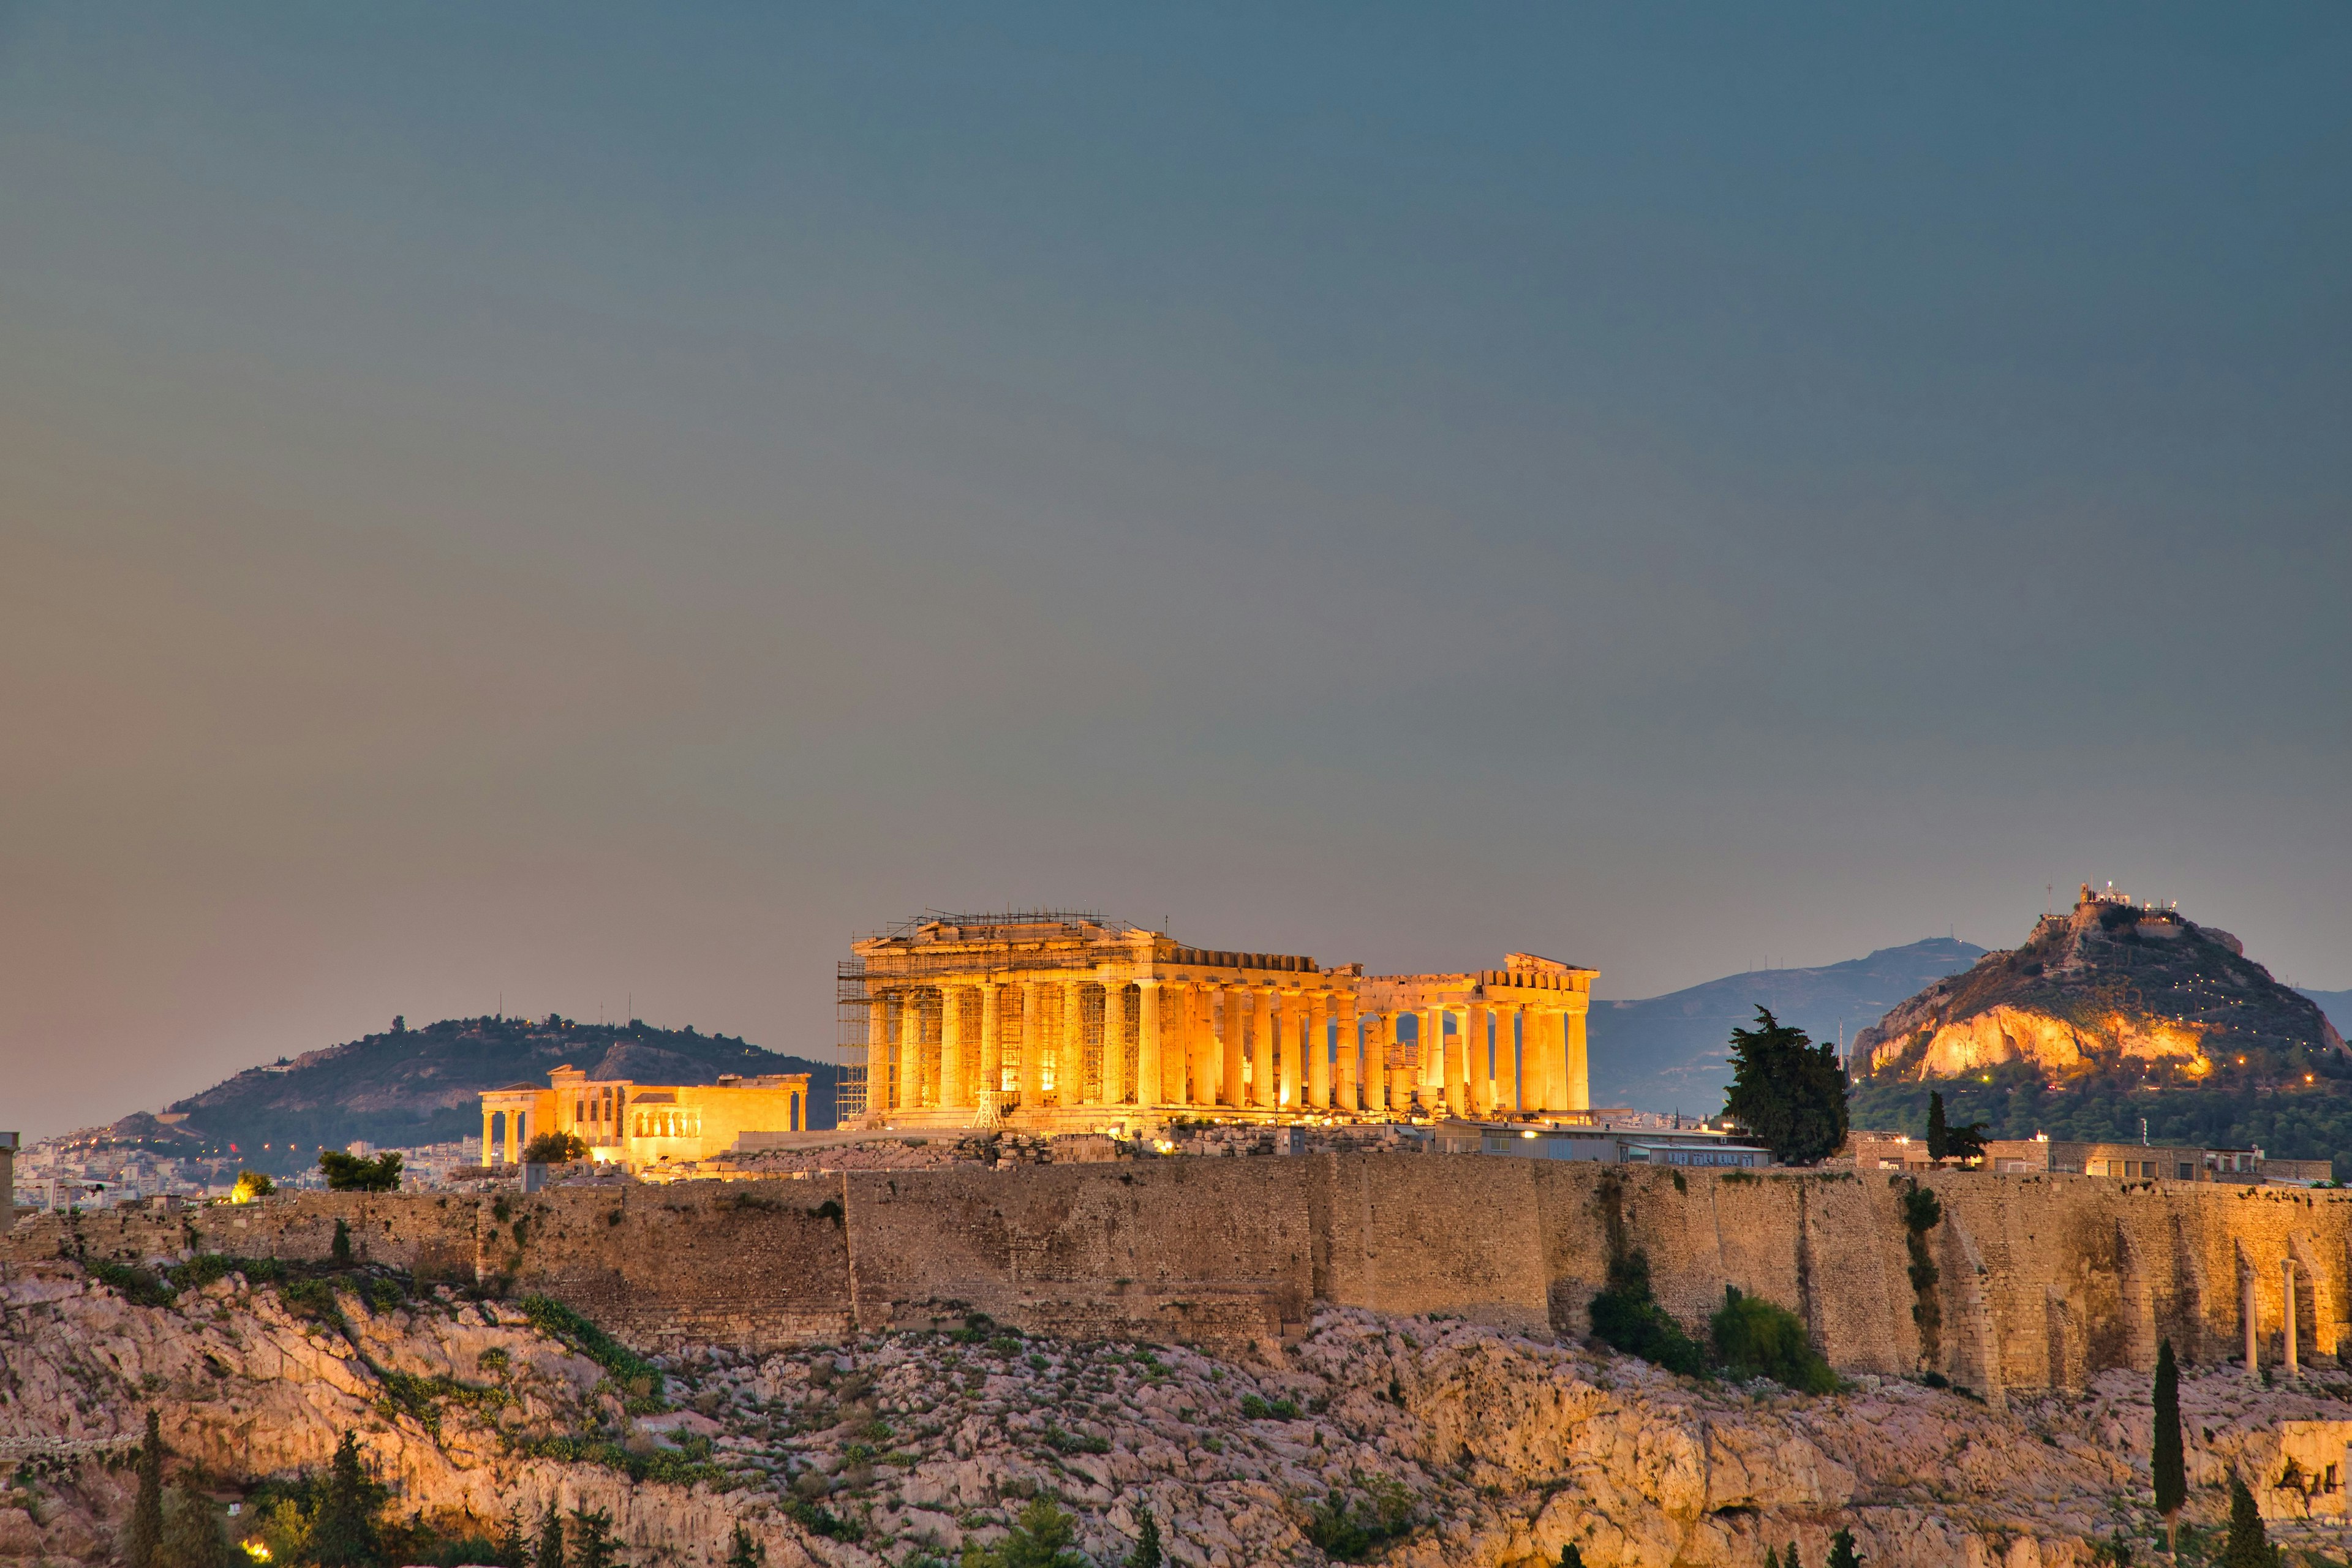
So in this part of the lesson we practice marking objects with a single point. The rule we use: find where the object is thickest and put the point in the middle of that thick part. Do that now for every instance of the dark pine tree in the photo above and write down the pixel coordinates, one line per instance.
(341, 1245)
(1939, 1131)
(2249, 1545)
(344, 1535)
(745, 1552)
(1147, 1552)
(514, 1548)
(592, 1545)
(2171, 1474)
(1786, 1091)
(1842, 1551)
(1789, 1558)
(551, 1538)
(146, 1531)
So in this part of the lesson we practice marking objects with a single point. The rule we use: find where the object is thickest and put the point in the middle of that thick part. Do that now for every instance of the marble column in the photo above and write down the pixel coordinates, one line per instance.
(489, 1147)
(1151, 1082)
(1113, 1054)
(1347, 1089)
(1201, 1028)
(1508, 1057)
(1264, 1075)
(877, 1056)
(1579, 1085)
(1318, 1051)
(1292, 1047)
(953, 1091)
(1553, 1076)
(1033, 1043)
(992, 1041)
(1380, 1087)
(2246, 1314)
(1070, 1049)
(1480, 1065)
(1457, 1069)
(1235, 1016)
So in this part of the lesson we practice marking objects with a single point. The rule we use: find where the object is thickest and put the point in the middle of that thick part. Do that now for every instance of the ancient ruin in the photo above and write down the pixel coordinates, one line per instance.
(634, 1125)
(1072, 1022)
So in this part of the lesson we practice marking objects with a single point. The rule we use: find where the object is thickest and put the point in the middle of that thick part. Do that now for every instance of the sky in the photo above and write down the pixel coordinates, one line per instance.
(590, 508)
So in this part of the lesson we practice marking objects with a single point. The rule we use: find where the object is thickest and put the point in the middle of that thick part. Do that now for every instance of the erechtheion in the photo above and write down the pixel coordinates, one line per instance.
(1060, 1021)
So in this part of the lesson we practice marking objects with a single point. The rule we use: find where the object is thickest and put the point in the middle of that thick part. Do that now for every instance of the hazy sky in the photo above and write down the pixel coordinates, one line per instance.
(593, 507)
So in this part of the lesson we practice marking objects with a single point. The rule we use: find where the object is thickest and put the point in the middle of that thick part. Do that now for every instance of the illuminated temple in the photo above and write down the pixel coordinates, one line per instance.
(1056, 1021)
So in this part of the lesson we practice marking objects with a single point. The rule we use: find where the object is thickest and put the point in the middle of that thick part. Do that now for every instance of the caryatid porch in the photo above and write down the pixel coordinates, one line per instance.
(1068, 1019)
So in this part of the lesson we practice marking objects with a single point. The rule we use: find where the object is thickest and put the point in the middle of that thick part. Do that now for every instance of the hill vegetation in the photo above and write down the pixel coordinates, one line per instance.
(416, 1086)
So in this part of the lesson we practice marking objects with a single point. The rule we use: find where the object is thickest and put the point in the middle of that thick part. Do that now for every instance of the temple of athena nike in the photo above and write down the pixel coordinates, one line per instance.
(1057, 1022)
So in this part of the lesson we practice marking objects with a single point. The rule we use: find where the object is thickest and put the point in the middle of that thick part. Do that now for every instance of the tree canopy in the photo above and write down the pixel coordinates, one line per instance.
(1786, 1090)
(358, 1173)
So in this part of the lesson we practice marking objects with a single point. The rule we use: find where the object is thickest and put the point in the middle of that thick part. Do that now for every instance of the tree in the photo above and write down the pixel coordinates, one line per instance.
(551, 1538)
(1147, 1552)
(146, 1528)
(1786, 1091)
(1771, 1558)
(592, 1545)
(1789, 1558)
(340, 1250)
(1966, 1142)
(191, 1534)
(744, 1552)
(250, 1186)
(553, 1149)
(357, 1173)
(1939, 1135)
(2172, 1475)
(514, 1550)
(344, 1535)
(1039, 1538)
(1842, 1551)
(2249, 1545)
(1569, 1557)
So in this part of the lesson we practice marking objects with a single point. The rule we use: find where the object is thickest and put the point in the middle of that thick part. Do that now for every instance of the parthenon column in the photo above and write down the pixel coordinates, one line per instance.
(1229, 1080)
(1264, 1075)
(1378, 1086)
(1201, 1038)
(1345, 1092)
(1070, 1050)
(1457, 1069)
(1033, 1043)
(1430, 1059)
(1480, 1065)
(1579, 1085)
(953, 1091)
(992, 1041)
(1318, 1050)
(490, 1150)
(1113, 1054)
(877, 1055)
(1293, 1047)
(1150, 1085)
(514, 1137)
(1507, 1057)
(1550, 1027)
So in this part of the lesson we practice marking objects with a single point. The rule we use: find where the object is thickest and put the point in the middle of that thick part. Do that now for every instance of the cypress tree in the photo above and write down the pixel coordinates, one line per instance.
(551, 1538)
(2249, 1545)
(744, 1552)
(192, 1532)
(1789, 1558)
(592, 1545)
(345, 1535)
(341, 1247)
(2171, 1474)
(513, 1552)
(146, 1531)
(1842, 1551)
(1939, 1134)
(1569, 1557)
(1772, 1557)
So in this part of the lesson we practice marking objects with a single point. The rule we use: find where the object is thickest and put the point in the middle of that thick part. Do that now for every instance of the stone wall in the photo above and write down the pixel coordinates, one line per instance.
(2043, 1279)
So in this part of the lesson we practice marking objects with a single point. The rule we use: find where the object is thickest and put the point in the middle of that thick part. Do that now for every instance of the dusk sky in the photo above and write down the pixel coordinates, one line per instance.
(587, 509)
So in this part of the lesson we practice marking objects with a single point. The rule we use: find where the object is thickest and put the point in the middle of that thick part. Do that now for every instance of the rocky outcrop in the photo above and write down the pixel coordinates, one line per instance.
(1488, 1448)
(2110, 986)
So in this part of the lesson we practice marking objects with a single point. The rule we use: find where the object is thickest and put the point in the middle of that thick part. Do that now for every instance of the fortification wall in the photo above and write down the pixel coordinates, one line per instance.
(2040, 1280)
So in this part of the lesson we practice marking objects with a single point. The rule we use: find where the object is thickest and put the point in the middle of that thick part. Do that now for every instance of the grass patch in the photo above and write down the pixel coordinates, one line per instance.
(633, 1371)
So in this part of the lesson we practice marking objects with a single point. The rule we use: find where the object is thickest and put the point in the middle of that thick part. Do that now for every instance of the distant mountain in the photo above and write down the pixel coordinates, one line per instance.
(421, 1086)
(1673, 1052)
(2109, 1019)
(2336, 1004)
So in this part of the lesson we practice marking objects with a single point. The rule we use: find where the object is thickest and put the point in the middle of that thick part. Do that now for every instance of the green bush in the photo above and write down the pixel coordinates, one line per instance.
(1350, 1524)
(134, 1285)
(630, 1370)
(1757, 1338)
(1626, 1317)
(357, 1173)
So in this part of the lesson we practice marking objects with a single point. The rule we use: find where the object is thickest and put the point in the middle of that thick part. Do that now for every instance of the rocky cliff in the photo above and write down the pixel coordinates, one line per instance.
(1438, 1442)
(2111, 1013)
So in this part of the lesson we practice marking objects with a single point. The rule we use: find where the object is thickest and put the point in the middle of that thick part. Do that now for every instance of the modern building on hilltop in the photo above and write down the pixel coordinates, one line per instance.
(1055, 1021)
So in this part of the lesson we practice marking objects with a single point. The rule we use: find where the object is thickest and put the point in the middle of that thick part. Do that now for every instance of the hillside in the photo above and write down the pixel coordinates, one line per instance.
(420, 1085)
(1673, 1052)
(2107, 1015)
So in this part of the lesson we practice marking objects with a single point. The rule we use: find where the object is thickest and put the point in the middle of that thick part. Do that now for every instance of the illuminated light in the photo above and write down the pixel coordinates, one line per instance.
(1528, 1134)
(257, 1549)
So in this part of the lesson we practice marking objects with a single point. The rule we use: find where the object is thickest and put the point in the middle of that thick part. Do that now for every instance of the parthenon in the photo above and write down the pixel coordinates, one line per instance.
(1064, 1020)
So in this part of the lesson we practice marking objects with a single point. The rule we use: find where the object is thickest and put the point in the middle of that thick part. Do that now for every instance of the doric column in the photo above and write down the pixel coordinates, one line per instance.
(953, 1091)
(488, 1150)
(918, 1061)
(1431, 1079)
(1344, 1081)
(1550, 1048)
(1476, 1065)
(1457, 1069)
(1378, 1085)
(1150, 1079)
(1229, 1080)
(1032, 1043)
(2246, 1305)
(991, 1040)
(1201, 1041)
(1291, 1050)
(1070, 1049)
(514, 1137)
(1114, 1055)
(1264, 1075)
(1579, 1085)
(2294, 1363)
(1507, 1056)
(877, 1056)
(1318, 1051)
